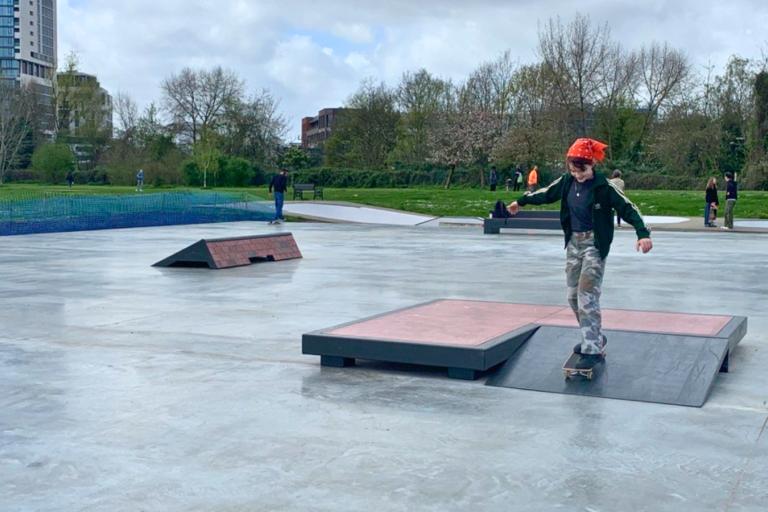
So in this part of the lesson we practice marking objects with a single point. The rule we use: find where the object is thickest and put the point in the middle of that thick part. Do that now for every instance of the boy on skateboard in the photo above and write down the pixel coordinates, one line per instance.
(587, 202)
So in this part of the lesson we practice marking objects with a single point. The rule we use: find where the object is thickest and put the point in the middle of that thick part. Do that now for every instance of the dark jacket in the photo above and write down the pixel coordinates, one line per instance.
(731, 190)
(604, 198)
(710, 196)
(279, 183)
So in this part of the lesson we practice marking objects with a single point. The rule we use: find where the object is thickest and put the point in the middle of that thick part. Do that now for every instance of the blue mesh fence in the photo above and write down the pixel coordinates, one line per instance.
(50, 213)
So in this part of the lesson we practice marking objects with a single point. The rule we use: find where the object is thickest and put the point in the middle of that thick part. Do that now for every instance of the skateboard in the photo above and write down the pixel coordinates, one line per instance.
(570, 370)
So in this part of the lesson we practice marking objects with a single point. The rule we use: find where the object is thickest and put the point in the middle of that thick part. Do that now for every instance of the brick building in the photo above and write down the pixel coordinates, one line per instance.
(316, 130)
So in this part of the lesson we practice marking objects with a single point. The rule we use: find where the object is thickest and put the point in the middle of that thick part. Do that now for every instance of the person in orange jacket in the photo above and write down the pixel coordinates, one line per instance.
(533, 179)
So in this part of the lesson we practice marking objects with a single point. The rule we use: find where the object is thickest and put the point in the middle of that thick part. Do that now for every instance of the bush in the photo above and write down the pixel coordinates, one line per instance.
(260, 176)
(397, 178)
(97, 176)
(54, 161)
(192, 175)
(426, 176)
(162, 173)
(235, 172)
(755, 176)
(22, 176)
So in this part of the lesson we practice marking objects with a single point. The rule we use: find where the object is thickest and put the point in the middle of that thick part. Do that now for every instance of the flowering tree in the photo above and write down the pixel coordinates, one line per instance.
(464, 138)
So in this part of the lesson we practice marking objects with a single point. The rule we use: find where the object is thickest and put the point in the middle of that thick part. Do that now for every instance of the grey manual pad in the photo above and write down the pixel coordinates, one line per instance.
(646, 367)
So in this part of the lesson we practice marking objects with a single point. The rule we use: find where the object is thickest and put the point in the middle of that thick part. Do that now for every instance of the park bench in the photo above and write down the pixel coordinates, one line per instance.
(532, 219)
(300, 188)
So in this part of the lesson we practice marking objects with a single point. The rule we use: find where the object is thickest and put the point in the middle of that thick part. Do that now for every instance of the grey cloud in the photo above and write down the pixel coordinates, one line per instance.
(132, 46)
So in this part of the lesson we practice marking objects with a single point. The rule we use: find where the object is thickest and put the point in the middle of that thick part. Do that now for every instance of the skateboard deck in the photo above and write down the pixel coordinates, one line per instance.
(570, 370)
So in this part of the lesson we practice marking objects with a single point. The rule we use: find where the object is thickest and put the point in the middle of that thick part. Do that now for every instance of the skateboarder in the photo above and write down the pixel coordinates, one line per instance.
(587, 202)
(279, 184)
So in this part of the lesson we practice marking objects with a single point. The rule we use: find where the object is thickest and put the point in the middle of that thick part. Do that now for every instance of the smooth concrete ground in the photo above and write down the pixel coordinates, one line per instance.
(130, 388)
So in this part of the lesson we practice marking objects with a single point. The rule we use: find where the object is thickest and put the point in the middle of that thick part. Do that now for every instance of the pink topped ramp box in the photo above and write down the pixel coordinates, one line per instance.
(466, 337)
(220, 253)
(653, 356)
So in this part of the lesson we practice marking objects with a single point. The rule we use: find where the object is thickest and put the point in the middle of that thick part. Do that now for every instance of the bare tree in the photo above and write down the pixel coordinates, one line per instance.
(574, 55)
(618, 76)
(477, 93)
(127, 114)
(196, 99)
(616, 89)
(662, 72)
(490, 88)
(534, 136)
(252, 128)
(18, 110)
(502, 76)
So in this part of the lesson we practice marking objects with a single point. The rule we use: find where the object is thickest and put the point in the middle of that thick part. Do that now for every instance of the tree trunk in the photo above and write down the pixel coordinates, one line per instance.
(449, 177)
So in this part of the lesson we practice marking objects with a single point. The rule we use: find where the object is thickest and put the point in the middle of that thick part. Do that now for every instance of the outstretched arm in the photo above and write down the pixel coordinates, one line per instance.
(549, 194)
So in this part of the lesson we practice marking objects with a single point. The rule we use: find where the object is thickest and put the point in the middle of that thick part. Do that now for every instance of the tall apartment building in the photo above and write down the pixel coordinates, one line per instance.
(28, 46)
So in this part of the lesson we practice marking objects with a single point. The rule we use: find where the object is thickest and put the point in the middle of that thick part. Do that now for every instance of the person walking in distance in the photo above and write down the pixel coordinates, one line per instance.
(619, 184)
(493, 178)
(140, 180)
(533, 179)
(731, 194)
(279, 184)
(587, 201)
(518, 178)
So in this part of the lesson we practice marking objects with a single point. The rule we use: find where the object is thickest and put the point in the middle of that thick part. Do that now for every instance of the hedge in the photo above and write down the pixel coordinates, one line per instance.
(400, 178)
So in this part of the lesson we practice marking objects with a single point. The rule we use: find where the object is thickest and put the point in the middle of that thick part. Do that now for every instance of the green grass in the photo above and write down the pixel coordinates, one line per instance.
(439, 202)
(474, 202)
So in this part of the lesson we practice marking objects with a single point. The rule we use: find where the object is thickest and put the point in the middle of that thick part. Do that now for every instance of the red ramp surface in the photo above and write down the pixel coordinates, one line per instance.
(447, 322)
(218, 253)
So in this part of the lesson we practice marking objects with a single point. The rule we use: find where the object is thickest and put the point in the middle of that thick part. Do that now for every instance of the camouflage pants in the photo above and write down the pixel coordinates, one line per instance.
(584, 269)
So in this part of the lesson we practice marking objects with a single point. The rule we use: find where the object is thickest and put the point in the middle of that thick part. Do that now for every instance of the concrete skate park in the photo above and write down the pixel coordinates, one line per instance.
(133, 387)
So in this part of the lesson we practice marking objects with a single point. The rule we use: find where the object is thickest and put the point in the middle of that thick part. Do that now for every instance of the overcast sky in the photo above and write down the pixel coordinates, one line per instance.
(313, 54)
